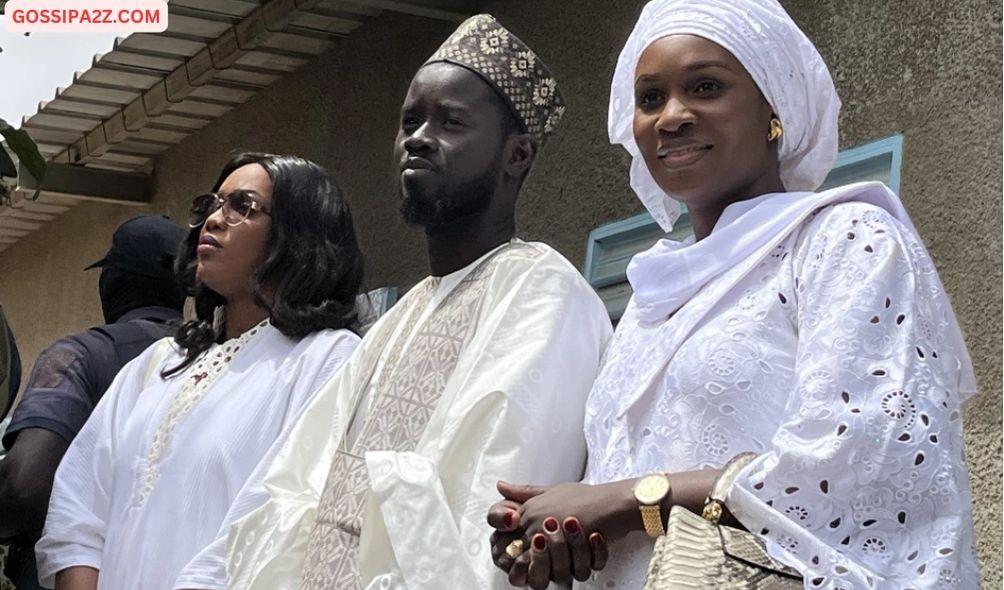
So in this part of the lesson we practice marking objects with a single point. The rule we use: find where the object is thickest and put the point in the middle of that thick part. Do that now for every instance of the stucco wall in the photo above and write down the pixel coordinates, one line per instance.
(931, 71)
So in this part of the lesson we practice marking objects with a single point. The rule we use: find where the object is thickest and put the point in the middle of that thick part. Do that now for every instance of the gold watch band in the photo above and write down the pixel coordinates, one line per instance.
(651, 517)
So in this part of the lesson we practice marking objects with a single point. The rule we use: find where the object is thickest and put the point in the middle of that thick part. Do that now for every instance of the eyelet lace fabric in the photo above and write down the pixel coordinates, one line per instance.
(199, 377)
(831, 360)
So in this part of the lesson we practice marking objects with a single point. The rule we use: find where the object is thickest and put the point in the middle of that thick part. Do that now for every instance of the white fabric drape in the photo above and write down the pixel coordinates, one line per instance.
(669, 274)
(512, 409)
(164, 525)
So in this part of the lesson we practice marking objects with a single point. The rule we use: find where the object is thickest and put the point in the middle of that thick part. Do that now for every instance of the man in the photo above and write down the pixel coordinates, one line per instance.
(479, 373)
(140, 301)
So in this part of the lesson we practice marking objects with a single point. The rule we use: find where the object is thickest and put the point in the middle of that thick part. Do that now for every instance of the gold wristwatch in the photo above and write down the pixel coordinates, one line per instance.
(650, 491)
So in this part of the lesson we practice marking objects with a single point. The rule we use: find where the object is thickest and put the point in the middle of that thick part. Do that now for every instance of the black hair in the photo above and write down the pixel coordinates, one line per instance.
(313, 262)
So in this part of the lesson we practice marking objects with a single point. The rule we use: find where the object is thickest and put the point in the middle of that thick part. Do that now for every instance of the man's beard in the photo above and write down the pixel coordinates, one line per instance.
(439, 209)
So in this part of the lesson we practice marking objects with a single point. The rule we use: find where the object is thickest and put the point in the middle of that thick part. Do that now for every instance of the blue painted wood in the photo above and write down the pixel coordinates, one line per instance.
(612, 246)
(879, 160)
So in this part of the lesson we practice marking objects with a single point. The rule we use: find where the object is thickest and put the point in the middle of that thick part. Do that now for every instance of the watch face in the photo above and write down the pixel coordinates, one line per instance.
(651, 489)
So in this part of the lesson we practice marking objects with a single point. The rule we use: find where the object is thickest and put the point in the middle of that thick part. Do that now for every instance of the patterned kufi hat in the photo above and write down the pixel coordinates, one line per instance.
(484, 46)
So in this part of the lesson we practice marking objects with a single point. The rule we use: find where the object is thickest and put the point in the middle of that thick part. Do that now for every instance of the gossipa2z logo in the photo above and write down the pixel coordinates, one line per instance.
(85, 16)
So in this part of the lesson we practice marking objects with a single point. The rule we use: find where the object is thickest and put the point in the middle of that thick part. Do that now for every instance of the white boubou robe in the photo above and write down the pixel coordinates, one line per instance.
(148, 489)
(473, 377)
(834, 354)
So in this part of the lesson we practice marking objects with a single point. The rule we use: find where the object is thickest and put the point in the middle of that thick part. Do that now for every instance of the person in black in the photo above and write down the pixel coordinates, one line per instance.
(141, 302)
(10, 368)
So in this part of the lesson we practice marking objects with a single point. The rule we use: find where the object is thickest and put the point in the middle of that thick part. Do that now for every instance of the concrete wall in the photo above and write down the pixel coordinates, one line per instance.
(931, 71)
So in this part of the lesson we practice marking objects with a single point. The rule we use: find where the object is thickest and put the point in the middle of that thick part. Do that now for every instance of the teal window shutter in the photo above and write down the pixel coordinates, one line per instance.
(879, 160)
(610, 249)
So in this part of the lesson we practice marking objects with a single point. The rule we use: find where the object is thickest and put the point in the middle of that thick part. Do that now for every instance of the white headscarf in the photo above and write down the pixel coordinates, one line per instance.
(795, 81)
(778, 56)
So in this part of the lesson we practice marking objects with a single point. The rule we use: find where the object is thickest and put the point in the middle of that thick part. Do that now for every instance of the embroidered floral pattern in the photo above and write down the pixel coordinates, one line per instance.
(486, 47)
(521, 65)
(494, 41)
(544, 91)
(823, 358)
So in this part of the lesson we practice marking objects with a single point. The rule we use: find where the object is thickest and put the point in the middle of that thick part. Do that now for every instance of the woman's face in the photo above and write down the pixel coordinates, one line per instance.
(701, 123)
(228, 255)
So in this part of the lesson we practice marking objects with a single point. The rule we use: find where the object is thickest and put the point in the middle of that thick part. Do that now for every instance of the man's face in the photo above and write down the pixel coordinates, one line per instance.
(449, 146)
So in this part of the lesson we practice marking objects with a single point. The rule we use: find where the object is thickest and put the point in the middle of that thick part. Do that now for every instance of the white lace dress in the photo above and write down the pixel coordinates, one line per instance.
(830, 359)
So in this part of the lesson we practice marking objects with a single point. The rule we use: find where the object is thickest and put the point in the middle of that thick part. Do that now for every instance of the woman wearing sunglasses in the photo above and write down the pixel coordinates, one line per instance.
(176, 449)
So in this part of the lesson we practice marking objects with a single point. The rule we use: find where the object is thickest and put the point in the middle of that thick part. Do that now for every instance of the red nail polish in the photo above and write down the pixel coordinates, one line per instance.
(572, 526)
(551, 525)
(539, 542)
(596, 540)
(508, 519)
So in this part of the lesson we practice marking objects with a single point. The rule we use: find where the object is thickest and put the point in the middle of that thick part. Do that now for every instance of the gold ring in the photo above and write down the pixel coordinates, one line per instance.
(514, 549)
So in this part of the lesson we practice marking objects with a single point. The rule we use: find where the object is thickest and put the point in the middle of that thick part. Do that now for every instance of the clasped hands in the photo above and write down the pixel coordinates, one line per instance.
(564, 529)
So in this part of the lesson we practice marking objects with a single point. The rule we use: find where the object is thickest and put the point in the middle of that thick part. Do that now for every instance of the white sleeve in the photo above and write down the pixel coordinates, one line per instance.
(865, 484)
(266, 547)
(516, 404)
(207, 570)
(76, 523)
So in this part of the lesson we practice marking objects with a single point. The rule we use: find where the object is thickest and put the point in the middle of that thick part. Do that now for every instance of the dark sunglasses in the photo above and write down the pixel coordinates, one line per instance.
(238, 206)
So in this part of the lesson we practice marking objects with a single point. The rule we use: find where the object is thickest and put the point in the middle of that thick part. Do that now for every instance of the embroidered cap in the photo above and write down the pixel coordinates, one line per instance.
(482, 45)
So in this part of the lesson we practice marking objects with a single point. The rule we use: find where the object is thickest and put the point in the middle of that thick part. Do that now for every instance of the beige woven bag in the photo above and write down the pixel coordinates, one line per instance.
(697, 552)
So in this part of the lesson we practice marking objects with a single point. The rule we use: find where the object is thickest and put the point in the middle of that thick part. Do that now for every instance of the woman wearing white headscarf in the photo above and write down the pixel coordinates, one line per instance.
(809, 328)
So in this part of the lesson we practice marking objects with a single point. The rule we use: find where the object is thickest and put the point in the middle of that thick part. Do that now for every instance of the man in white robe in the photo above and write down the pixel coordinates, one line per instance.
(480, 373)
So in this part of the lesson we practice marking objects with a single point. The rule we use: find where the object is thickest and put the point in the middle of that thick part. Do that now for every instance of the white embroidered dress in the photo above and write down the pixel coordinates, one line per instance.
(832, 358)
(147, 491)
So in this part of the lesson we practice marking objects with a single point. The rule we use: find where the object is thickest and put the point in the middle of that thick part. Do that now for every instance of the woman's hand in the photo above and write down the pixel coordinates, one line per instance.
(609, 509)
(572, 523)
(564, 529)
(504, 518)
(559, 555)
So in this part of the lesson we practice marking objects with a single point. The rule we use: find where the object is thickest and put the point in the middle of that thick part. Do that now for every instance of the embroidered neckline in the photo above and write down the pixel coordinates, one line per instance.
(246, 334)
(198, 379)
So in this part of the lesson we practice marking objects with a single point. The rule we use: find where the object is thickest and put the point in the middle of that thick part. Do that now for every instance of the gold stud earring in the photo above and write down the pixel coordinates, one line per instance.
(776, 130)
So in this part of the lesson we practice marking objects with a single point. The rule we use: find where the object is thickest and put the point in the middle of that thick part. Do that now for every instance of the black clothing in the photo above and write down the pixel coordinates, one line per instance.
(71, 375)
(10, 367)
(122, 292)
